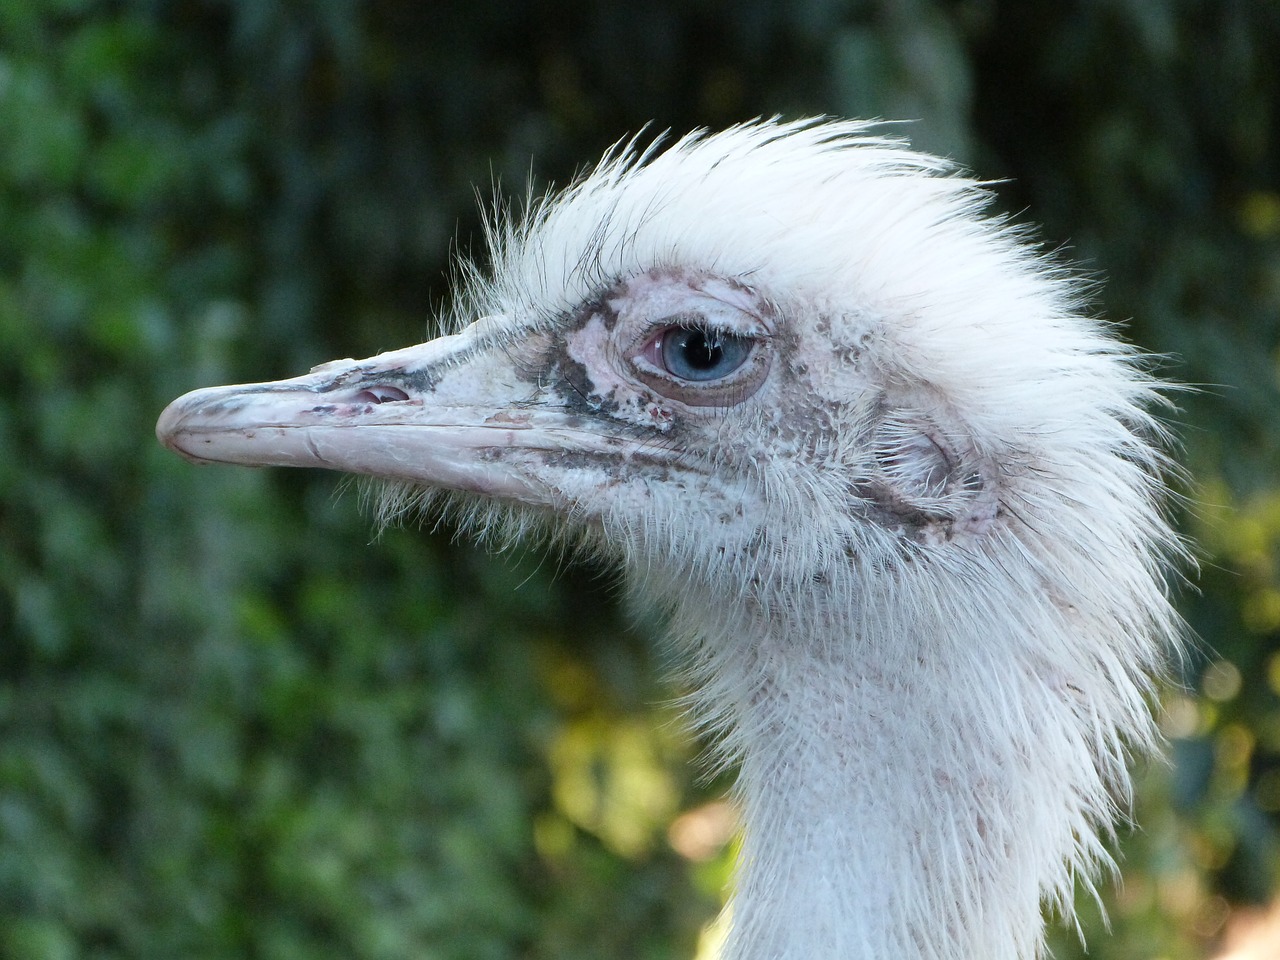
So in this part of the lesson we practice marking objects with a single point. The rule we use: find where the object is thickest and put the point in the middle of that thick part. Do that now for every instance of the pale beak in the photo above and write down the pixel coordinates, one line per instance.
(454, 413)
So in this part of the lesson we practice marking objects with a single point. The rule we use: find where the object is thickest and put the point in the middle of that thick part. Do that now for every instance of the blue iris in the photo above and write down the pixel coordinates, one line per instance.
(696, 353)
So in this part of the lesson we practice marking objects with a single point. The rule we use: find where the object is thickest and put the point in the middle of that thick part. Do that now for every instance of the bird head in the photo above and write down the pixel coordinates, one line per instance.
(780, 361)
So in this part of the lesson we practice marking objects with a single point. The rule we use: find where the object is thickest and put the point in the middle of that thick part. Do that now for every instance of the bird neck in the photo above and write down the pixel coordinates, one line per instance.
(906, 797)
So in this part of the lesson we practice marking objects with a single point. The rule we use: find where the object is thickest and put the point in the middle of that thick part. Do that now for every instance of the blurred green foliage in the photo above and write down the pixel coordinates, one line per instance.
(231, 726)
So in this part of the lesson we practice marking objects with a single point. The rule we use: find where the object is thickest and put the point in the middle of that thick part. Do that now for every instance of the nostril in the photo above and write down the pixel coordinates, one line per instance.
(380, 393)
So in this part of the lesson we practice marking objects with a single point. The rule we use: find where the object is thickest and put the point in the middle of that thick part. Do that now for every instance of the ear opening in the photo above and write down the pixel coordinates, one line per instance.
(928, 482)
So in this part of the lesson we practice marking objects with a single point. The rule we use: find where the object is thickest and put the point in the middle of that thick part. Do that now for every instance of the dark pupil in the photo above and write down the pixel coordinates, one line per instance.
(701, 349)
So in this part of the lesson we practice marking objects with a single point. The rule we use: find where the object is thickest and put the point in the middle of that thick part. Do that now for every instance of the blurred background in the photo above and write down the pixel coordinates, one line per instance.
(234, 723)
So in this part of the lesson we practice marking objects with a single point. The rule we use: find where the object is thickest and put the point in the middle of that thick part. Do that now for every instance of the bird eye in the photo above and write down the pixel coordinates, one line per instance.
(697, 353)
(700, 362)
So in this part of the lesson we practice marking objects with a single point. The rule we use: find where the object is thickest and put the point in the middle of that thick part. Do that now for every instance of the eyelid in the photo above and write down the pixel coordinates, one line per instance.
(651, 352)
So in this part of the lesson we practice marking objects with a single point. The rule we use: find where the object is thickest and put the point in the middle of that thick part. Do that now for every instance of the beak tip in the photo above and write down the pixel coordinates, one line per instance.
(172, 429)
(167, 423)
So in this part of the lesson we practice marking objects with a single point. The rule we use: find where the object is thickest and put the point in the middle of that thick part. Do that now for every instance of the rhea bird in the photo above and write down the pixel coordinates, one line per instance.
(898, 497)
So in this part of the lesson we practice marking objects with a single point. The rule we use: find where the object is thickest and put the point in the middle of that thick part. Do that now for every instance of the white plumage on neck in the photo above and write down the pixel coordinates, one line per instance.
(914, 794)
(898, 498)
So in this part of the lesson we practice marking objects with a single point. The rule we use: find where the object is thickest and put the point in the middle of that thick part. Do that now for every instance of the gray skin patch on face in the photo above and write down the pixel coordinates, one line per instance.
(423, 380)
(606, 312)
(574, 387)
(554, 371)
(599, 307)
